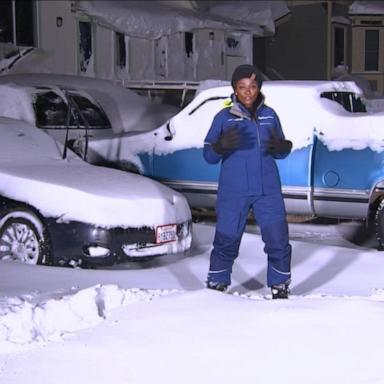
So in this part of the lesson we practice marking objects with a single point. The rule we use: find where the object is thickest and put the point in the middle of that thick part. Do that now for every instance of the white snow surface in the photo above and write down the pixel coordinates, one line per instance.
(155, 322)
(259, 12)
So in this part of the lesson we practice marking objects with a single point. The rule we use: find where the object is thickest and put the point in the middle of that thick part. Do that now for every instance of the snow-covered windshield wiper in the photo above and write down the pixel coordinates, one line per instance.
(73, 106)
(68, 118)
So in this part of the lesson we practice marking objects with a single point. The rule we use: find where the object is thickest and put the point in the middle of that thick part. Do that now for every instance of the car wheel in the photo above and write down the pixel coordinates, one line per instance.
(22, 238)
(379, 225)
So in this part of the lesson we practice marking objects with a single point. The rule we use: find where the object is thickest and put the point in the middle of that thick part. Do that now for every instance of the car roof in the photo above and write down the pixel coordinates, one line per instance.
(126, 110)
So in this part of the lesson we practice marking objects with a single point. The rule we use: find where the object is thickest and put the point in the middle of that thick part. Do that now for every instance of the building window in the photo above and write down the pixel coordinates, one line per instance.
(121, 51)
(339, 46)
(188, 43)
(85, 45)
(372, 50)
(17, 22)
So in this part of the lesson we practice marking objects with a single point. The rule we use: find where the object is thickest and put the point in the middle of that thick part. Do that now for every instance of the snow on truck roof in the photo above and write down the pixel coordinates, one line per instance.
(210, 88)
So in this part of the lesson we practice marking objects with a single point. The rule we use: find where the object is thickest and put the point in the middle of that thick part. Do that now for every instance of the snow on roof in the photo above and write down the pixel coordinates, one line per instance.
(153, 19)
(341, 20)
(367, 8)
(263, 13)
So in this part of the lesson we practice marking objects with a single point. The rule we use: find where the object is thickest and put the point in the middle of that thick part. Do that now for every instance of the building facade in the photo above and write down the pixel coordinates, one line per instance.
(69, 38)
(297, 40)
(368, 40)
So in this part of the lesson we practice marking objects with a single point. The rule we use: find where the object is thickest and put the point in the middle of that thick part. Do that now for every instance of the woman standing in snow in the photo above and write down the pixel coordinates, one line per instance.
(246, 136)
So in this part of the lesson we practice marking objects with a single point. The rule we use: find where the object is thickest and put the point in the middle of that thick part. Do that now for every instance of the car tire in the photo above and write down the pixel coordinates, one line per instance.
(379, 225)
(23, 237)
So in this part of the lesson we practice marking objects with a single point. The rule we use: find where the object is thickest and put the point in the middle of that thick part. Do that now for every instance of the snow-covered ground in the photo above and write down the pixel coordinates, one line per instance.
(154, 321)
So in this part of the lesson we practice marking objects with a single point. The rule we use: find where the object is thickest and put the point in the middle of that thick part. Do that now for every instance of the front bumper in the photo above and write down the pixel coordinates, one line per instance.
(90, 245)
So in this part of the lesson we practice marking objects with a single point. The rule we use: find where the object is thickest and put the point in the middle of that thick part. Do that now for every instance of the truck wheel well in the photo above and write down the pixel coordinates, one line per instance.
(378, 222)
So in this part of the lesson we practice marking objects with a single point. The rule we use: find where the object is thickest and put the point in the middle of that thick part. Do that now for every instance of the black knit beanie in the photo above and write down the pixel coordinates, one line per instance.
(246, 71)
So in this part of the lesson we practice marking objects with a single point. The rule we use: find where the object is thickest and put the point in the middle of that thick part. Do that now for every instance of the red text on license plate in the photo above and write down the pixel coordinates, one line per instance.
(166, 233)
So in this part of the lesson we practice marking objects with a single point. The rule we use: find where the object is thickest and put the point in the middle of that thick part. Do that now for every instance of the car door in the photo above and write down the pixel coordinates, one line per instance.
(347, 159)
(296, 180)
(178, 156)
(344, 177)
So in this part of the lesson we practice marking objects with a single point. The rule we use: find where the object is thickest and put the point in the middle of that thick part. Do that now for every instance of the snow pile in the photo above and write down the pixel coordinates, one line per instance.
(329, 331)
(23, 322)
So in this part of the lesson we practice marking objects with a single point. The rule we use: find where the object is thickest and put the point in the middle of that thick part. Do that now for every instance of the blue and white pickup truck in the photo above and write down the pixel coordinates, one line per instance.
(336, 168)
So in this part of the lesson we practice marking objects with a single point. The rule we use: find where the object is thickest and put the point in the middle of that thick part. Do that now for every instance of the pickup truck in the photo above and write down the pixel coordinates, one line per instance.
(335, 169)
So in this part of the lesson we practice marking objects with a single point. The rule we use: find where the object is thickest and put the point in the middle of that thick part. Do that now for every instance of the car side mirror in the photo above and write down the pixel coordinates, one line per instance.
(171, 134)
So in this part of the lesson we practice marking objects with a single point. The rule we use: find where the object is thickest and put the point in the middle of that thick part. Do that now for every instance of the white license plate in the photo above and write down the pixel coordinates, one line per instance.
(166, 234)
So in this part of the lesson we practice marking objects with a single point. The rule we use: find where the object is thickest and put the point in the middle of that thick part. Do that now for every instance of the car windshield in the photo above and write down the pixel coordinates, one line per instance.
(350, 101)
(52, 111)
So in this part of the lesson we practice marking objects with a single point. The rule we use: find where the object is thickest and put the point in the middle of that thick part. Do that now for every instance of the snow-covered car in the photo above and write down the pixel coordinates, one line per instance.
(59, 211)
(78, 110)
(335, 168)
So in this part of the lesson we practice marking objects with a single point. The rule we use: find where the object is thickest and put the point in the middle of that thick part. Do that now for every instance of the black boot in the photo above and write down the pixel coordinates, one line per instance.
(222, 287)
(280, 291)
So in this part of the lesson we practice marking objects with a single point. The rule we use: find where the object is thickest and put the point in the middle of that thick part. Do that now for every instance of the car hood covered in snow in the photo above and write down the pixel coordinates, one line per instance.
(32, 171)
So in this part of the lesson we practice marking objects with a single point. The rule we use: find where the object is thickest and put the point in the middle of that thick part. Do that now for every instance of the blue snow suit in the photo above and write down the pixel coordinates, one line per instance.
(249, 179)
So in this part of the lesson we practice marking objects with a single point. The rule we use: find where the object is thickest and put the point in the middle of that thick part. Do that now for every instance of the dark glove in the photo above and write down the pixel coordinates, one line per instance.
(277, 146)
(228, 141)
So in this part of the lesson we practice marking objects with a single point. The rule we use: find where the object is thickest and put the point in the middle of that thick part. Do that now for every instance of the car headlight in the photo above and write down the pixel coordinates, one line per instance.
(184, 229)
(95, 250)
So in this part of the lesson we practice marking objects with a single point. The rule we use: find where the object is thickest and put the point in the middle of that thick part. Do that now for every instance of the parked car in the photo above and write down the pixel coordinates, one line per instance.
(335, 168)
(77, 110)
(59, 211)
